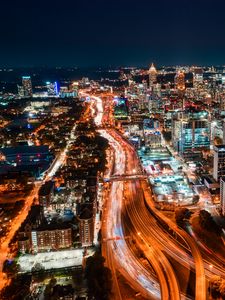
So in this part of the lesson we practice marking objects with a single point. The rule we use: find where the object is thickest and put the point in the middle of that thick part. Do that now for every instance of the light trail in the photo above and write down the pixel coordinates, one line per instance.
(123, 258)
(132, 163)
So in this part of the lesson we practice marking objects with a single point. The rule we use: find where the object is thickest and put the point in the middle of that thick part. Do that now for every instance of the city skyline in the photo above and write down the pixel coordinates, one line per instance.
(110, 176)
(112, 150)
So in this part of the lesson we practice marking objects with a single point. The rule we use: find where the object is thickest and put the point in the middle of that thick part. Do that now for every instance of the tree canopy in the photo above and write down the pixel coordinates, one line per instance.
(99, 278)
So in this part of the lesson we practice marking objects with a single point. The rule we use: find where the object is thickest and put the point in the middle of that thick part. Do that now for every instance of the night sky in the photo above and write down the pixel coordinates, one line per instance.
(111, 32)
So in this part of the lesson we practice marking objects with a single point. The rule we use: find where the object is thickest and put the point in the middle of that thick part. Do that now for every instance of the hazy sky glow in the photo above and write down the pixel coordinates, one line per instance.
(116, 32)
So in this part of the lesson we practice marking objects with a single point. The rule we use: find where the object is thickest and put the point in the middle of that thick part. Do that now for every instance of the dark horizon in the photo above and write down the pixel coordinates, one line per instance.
(92, 33)
(107, 67)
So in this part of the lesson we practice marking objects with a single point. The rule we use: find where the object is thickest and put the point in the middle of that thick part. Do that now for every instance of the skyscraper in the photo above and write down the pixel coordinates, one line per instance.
(190, 131)
(219, 162)
(27, 86)
(197, 78)
(222, 195)
(52, 88)
(20, 91)
(179, 81)
(152, 76)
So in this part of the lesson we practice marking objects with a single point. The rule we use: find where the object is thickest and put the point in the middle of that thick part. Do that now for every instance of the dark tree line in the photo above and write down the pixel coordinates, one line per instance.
(182, 215)
(99, 278)
(207, 222)
(217, 288)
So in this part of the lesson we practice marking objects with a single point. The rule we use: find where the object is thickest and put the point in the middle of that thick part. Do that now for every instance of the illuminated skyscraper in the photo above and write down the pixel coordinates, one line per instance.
(27, 86)
(152, 76)
(20, 91)
(219, 162)
(190, 131)
(197, 78)
(52, 88)
(179, 81)
(74, 87)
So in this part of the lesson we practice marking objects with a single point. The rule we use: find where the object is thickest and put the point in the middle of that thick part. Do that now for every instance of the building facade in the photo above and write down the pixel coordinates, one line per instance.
(47, 240)
(219, 162)
(152, 76)
(179, 81)
(190, 132)
(27, 86)
(86, 228)
(222, 195)
(46, 193)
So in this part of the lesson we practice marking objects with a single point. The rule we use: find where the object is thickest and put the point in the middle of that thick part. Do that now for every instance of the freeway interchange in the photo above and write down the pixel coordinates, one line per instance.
(130, 217)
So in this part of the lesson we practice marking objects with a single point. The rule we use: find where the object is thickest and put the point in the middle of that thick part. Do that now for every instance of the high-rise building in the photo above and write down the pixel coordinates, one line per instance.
(120, 107)
(224, 133)
(46, 193)
(222, 195)
(52, 239)
(197, 78)
(179, 81)
(220, 97)
(155, 103)
(219, 162)
(74, 87)
(27, 86)
(152, 76)
(52, 88)
(190, 131)
(20, 91)
(86, 227)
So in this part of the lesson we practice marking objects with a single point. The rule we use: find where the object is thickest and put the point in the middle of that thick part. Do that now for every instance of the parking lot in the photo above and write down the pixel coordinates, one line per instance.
(51, 260)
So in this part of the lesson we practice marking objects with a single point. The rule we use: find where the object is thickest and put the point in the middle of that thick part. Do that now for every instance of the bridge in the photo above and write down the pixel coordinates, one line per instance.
(126, 177)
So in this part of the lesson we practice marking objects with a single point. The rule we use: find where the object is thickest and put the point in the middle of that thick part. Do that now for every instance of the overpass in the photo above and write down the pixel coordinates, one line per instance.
(126, 177)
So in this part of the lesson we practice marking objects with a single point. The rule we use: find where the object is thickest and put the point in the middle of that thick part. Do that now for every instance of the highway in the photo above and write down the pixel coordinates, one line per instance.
(134, 195)
(163, 239)
(117, 253)
(123, 259)
(133, 271)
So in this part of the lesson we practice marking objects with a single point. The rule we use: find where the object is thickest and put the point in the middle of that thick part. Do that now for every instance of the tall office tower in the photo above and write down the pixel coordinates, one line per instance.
(190, 131)
(20, 91)
(222, 195)
(27, 86)
(155, 103)
(197, 78)
(223, 78)
(52, 88)
(219, 162)
(74, 87)
(157, 89)
(145, 85)
(152, 76)
(179, 81)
